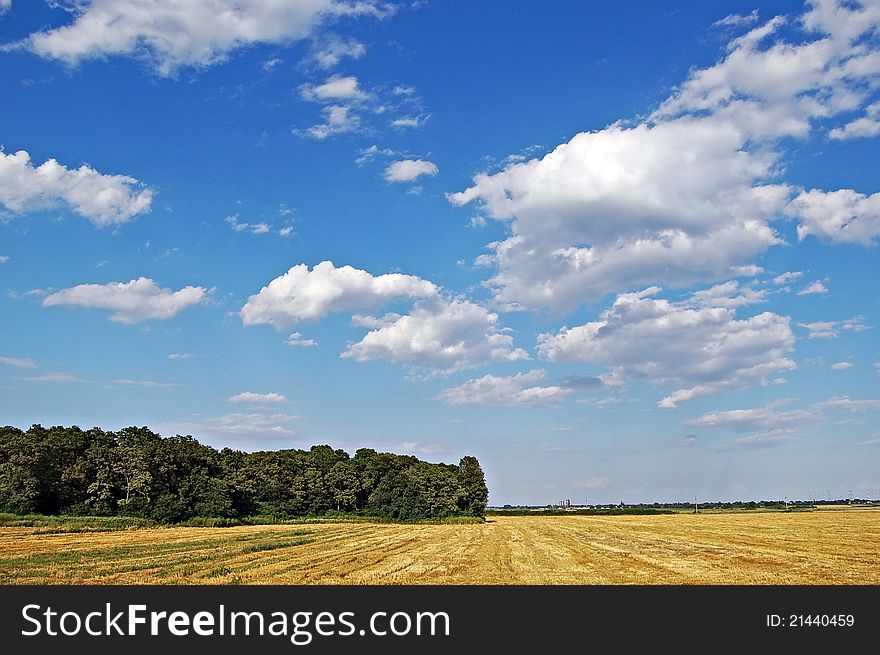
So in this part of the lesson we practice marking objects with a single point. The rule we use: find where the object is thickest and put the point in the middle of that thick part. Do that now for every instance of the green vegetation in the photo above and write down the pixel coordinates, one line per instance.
(135, 475)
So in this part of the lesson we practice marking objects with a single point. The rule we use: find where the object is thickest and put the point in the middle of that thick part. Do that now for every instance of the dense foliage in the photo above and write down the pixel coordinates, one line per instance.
(135, 472)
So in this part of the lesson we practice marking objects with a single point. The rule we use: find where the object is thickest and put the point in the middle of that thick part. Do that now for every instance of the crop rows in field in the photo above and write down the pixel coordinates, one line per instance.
(748, 548)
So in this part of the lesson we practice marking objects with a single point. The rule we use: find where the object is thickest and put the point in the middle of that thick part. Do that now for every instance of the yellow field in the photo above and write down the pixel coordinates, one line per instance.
(748, 548)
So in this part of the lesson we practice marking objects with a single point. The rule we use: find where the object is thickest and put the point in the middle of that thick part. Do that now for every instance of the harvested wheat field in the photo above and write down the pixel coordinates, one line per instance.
(748, 548)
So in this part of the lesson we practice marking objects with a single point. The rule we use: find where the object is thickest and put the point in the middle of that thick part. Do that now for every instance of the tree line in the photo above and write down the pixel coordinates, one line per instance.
(136, 472)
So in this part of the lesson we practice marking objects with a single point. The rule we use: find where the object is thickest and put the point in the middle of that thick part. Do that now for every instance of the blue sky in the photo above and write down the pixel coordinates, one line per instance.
(619, 253)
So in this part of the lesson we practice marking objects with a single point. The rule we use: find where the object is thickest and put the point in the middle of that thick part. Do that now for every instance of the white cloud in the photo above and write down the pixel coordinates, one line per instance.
(847, 404)
(103, 199)
(494, 391)
(339, 119)
(841, 366)
(831, 329)
(328, 52)
(729, 295)
(171, 34)
(864, 127)
(132, 301)
(760, 418)
(701, 350)
(299, 341)
(688, 195)
(409, 122)
(4, 6)
(843, 216)
(871, 442)
(408, 170)
(736, 20)
(335, 89)
(303, 295)
(816, 287)
(4, 259)
(179, 356)
(256, 228)
(257, 398)
(54, 376)
(787, 277)
(438, 335)
(18, 362)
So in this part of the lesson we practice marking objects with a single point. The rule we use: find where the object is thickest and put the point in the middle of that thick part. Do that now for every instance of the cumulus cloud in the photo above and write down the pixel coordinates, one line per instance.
(132, 301)
(299, 341)
(303, 295)
(438, 335)
(103, 199)
(700, 349)
(4, 259)
(4, 6)
(408, 170)
(864, 127)
(831, 329)
(843, 216)
(787, 277)
(338, 119)
(18, 362)
(767, 417)
(814, 288)
(841, 366)
(494, 391)
(257, 398)
(688, 195)
(336, 88)
(171, 34)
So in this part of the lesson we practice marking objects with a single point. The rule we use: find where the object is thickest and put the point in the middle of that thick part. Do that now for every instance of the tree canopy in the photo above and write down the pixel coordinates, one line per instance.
(136, 472)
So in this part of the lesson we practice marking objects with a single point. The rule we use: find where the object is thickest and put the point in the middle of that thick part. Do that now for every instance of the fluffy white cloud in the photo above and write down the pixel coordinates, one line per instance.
(257, 398)
(4, 259)
(299, 341)
(103, 199)
(861, 128)
(303, 295)
(729, 295)
(831, 329)
(688, 195)
(18, 362)
(787, 277)
(408, 170)
(700, 349)
(814, 288)
(336, 88)
(338, 119)
(132, 301)
(760, 418)
(494, 391)
(843, 216)
(438, 335)
(841, 366)
(171, 34)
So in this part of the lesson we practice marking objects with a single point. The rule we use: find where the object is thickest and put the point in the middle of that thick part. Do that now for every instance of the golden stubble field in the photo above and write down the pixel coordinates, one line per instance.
(748, 548)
